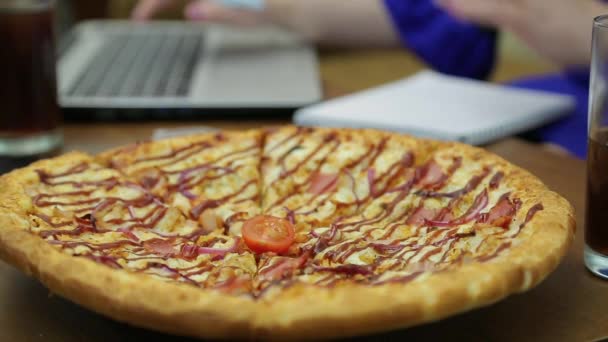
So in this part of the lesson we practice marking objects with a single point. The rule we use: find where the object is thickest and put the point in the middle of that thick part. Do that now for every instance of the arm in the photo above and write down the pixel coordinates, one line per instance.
(560, 30)
(445, 43)
(330, 22)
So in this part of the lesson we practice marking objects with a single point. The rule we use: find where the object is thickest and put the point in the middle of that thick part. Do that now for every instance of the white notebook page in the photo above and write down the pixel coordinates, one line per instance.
(434, 105)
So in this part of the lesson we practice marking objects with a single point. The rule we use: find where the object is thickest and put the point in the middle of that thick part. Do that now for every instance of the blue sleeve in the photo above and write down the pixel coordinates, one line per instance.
(443, 42)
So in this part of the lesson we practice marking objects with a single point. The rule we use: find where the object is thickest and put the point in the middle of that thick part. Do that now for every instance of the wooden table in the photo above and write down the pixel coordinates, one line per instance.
(570, 305)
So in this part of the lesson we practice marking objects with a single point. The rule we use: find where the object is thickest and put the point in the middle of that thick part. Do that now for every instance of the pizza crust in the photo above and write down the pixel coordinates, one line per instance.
(301, 311)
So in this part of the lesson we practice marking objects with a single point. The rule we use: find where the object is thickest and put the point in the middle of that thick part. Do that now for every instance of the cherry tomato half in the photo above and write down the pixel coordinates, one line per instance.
(268, 234)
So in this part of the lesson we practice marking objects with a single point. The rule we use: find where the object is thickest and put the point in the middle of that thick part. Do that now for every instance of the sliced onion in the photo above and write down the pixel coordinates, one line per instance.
(131, 212)
(188, 194)
(349, 269)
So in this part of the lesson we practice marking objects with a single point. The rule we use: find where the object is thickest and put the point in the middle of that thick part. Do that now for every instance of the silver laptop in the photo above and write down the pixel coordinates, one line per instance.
(166, 65)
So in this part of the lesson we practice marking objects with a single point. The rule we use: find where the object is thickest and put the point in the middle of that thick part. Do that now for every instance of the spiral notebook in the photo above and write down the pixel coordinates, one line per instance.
(438, 106)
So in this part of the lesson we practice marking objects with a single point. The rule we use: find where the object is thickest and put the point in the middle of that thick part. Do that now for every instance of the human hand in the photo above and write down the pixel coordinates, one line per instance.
(361, 23)
(559, 30)
(240, 12)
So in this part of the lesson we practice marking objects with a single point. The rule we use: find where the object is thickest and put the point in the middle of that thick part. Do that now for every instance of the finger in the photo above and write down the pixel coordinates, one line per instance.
(145, 9)
(212, 11)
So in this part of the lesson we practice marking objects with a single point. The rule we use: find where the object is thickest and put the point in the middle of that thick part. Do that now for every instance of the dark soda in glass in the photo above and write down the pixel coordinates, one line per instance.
(29, 113)
(596, 224)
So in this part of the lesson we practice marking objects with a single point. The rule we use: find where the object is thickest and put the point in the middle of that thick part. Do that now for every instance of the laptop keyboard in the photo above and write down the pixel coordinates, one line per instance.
(141, 65)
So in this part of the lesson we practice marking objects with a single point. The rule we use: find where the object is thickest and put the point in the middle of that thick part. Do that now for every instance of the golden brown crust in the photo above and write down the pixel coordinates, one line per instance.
(301, 311)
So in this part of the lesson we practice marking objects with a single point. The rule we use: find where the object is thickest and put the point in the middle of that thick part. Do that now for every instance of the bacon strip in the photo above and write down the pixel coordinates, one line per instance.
(501, 214)
(323, 183)
(371, 180)
(481, 201)
(163, 248)
(193, 251)
(421, 216)
(431, 175)
(281, 267)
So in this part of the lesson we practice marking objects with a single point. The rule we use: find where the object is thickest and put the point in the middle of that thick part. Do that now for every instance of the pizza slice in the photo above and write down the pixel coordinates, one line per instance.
(312, 176)
(141, 214)
(453, 209)
(213, 179)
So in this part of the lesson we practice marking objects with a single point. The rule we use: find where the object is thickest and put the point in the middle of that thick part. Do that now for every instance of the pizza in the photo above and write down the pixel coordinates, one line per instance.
(283, 233)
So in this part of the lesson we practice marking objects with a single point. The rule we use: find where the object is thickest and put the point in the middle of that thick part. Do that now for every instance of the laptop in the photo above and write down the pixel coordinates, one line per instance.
(111, 64)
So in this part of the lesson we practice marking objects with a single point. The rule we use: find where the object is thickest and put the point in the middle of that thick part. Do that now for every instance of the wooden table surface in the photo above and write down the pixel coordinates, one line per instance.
(570, 305)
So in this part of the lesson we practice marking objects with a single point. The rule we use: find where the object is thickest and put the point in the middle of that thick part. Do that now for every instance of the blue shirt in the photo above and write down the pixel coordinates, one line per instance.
(463, 49)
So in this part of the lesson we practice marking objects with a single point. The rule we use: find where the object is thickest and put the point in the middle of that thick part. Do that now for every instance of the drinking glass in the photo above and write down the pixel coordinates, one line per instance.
(30, 117)
(596, 227)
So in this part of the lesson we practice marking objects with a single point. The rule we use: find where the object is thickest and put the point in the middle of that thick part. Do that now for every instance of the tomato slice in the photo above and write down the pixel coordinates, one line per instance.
(268, 234)
(322, 183)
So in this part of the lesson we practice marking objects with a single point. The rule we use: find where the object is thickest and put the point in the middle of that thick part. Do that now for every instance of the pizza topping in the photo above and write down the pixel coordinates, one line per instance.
(210, 221)
(235, 284)
(193, 176)
(129, 234)
(286, 173)
(48, 220)
(45, 176)
(471, 185)
(202, 207)
(104, 259)
(484, 258)
(348, 269)
(421, 216)
(386, 248)
(323, 183)
(214, 203)
(281, 267)
(193, 251)
(431, 175)
(502, 213)
(160, 247)
(530, 215)
(481, 201)
(495, 181)
(371, 180)
(268, 234)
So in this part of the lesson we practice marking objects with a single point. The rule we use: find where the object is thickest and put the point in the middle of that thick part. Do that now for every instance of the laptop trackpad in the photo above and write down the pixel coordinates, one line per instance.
(253, 68)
